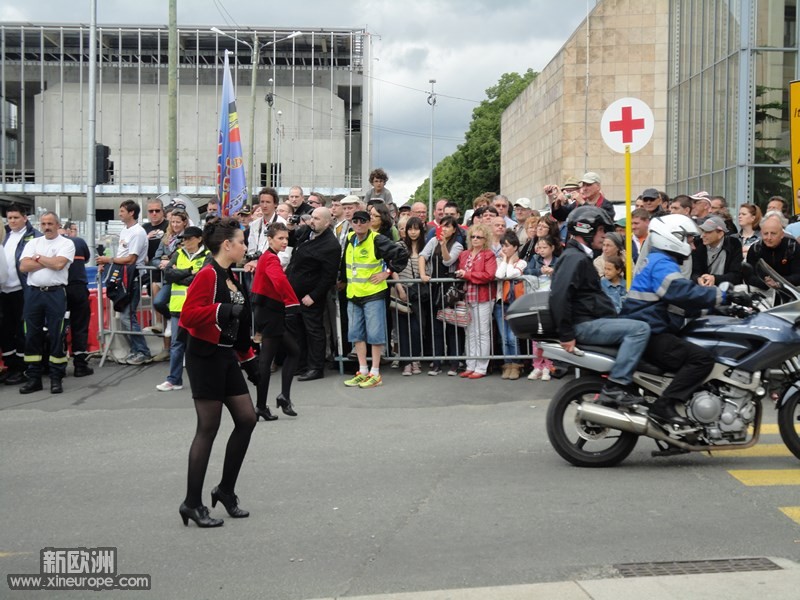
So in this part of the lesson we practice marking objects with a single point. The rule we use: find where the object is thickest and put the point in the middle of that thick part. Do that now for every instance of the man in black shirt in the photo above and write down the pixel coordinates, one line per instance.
(78, 307)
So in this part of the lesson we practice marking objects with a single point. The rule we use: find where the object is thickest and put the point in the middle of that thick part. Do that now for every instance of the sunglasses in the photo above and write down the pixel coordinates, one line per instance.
(477, 237)
(359, 220)
(154, 210)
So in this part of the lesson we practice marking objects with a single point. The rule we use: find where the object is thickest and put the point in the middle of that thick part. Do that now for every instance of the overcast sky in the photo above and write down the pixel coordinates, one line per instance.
(465, 45)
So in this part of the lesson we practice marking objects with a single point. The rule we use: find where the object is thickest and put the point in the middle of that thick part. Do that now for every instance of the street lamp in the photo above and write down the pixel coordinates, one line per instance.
(255, 58)
(432, 102)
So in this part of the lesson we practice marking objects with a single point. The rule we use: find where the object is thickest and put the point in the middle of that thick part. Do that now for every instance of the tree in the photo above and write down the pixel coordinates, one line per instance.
(770, 181)
(474, 167)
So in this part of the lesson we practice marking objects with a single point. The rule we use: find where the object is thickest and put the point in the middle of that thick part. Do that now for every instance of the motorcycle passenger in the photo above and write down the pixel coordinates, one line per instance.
(582, 311)
(662, 297)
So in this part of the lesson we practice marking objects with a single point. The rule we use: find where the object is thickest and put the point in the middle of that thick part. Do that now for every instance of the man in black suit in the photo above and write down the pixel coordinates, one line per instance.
(312, 271)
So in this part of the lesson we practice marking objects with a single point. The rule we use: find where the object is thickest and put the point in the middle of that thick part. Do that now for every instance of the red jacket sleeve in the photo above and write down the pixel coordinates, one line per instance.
(199, 310)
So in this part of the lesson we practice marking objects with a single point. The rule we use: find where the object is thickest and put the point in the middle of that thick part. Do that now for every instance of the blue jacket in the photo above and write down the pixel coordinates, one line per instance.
(663, 298)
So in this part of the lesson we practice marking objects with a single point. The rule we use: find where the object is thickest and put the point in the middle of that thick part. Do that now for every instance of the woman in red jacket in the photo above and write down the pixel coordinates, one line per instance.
(274, 302)
(478, 267)
(216, 316)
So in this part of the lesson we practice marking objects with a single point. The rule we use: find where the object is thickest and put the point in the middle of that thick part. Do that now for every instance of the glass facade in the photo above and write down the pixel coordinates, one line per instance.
(731, 64)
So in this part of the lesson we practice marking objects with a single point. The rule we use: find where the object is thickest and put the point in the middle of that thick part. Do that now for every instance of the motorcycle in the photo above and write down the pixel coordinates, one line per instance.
(757, 360)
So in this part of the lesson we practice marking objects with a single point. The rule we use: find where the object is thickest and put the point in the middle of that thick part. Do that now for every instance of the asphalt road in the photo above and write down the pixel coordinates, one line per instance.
(425, 483)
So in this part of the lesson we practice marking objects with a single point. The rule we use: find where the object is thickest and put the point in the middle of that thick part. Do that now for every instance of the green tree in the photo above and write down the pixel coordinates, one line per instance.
(770, 181)
(474, 167)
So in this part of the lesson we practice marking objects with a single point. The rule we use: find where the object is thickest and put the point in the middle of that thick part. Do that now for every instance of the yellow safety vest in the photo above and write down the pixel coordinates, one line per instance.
(178, 294)
(361, 264)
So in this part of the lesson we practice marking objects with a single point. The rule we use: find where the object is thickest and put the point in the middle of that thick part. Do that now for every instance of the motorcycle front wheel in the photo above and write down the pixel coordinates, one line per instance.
(789, 423)
(579, 442)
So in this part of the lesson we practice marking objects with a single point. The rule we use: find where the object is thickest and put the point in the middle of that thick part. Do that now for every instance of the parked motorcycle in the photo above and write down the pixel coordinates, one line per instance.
(757, 354)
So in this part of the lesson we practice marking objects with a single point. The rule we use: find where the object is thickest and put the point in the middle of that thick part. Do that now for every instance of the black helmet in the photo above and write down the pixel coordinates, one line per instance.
(584, 221)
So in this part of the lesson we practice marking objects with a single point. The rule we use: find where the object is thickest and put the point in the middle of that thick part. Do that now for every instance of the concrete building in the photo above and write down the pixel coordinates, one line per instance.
(311, 110)
(714, 72)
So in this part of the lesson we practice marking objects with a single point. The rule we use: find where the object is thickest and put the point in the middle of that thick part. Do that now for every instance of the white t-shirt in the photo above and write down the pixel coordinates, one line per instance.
(60, 246)
(133, 240)
(258, 241)
(12, 282)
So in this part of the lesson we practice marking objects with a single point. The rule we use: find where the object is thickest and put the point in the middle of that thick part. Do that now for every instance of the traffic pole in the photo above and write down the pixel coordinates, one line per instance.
(628, 228)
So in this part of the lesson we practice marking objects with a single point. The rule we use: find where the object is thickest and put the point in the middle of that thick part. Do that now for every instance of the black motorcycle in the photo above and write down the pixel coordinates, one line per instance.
(757, 353)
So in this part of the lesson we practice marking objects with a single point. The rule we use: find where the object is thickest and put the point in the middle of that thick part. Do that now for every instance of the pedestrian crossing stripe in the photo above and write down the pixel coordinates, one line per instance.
(793, 512)
(759, 477)
(756, 451)
(772, 429)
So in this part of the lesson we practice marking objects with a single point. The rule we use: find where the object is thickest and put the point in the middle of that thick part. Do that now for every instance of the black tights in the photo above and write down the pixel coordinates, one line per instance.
(269, 348)
(208, 418)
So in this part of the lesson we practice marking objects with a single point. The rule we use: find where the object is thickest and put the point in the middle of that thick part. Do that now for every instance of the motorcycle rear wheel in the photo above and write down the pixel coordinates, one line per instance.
(580, 442)
(789, 423)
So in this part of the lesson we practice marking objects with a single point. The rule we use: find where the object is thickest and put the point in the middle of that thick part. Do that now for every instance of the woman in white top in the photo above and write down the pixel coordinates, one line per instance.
(509, 268)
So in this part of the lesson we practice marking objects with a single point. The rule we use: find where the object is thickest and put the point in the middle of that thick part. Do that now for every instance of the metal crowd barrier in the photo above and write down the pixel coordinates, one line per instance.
(414, 331)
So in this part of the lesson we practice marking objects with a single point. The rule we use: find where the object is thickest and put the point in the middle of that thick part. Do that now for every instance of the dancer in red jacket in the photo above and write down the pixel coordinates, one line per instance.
(216, 316)
(275, 303)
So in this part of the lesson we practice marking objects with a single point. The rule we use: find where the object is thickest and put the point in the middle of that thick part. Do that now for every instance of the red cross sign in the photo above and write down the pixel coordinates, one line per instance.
(627, 122)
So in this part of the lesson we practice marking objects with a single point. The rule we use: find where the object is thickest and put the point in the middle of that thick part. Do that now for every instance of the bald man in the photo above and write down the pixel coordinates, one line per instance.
(312, 272)
(419, 210)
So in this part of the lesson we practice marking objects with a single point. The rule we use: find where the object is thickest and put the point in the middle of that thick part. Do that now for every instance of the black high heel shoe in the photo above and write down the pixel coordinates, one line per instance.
(199, 515)
(265, 414)
(230, 502)
(285, 405)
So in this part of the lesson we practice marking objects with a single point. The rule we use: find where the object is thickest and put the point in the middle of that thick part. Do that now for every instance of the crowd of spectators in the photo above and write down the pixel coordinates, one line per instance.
(374, 282)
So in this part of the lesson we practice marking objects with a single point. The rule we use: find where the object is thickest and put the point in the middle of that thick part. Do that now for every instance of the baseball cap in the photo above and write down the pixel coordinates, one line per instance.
(350, 200)
(245, 210)
(191, 232)
(713, 223)
(405, 208)
(571, 184)
(701, 196)
(360, 214)
(650, 193)
(523, 202)
(590, 177)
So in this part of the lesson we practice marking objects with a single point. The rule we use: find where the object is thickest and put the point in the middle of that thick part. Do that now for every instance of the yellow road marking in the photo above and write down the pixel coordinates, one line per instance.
(772, 429)
(793, 512)
(754, 477)
(757, 450)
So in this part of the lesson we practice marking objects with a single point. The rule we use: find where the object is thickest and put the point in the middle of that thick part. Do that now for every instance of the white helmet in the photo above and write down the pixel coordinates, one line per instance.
(670, 232)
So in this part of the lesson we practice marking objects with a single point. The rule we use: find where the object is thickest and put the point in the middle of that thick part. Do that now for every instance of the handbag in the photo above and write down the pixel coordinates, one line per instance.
(121, 285)
(458, 315)
(454, 294)
(398, 304)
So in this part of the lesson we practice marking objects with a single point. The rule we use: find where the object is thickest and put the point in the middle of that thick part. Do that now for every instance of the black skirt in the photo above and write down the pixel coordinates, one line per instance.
(214, 372)
(269, 319)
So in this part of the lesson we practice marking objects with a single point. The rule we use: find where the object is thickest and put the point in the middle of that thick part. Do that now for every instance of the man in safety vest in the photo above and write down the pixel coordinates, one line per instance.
(184, 265)
(369, 259)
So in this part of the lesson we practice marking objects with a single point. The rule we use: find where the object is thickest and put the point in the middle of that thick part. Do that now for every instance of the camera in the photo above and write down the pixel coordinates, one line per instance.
(252, 256)
(294, 219)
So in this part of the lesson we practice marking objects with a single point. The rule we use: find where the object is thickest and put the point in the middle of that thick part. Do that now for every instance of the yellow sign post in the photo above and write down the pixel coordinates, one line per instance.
(794, 131)
(628, 227)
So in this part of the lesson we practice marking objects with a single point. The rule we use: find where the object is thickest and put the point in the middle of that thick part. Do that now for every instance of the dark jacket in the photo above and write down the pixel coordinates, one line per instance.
(27, 236)
(314, 264)
(731, 270)
(785, 259)
(575, 292)
(663, 298)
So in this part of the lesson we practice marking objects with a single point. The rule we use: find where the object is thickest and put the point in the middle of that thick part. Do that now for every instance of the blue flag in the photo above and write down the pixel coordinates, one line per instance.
(231, 183)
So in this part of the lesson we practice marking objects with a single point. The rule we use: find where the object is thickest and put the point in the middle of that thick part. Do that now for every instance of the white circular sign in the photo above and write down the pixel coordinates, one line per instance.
(627, 122)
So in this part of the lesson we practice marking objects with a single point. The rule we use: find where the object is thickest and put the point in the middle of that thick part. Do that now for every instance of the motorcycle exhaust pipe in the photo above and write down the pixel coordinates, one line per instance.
(625, 421)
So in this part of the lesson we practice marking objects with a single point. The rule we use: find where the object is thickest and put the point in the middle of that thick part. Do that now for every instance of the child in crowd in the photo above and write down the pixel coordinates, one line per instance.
(613, 281)
(547, 252)
(548, 249)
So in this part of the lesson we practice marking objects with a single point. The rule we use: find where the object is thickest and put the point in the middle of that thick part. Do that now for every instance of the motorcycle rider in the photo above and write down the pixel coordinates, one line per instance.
(663, 297)
(582, 311)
